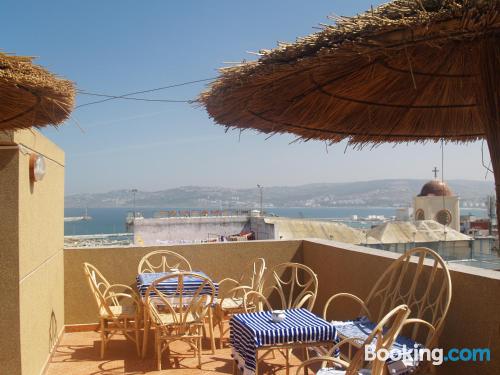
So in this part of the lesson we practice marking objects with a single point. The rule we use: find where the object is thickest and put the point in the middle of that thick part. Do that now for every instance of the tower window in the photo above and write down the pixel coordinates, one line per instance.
(419, 214)
(443, 217)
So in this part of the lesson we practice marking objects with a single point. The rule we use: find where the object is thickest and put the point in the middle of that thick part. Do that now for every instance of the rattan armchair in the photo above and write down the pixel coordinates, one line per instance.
(162, 261)
(382, 336)
(179, 315)
(119, 308)
(426, 290)
(286, 286)
(232, 292)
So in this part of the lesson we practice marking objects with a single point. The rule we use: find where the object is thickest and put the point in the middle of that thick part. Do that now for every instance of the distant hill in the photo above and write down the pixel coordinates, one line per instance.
(383, 193)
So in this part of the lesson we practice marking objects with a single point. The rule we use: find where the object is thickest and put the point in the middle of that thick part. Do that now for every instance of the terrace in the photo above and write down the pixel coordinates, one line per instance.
(339, 267)
(48, 316)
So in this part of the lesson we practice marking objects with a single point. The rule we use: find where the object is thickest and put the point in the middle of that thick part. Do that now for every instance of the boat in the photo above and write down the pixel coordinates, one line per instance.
(85, 217)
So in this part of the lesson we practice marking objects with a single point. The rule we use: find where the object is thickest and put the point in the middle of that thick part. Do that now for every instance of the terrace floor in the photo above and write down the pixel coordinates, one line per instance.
(78, 354)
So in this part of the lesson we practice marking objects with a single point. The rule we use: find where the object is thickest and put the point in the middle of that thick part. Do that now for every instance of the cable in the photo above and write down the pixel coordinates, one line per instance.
(129, 98)
(111, 97)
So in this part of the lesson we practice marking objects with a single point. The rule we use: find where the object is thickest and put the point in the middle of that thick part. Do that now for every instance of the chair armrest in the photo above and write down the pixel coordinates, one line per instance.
(232, 292)
(431, 338)
(228, 280)
(255, 298)
(349, 296)
(110, 293)
(225, 285)
(323, 360)
(355, 341)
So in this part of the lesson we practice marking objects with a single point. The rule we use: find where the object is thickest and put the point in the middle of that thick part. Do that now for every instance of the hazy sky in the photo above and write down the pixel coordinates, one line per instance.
(116, 47)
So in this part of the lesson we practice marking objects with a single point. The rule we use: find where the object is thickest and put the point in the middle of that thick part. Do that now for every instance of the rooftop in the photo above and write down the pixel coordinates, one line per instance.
(78, 354)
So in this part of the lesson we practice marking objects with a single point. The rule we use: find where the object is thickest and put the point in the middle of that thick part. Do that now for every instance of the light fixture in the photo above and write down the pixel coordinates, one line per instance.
(37, 167)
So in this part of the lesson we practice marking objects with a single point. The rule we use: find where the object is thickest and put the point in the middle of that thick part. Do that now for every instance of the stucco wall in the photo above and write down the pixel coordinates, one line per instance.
(33, 217)
(474, 316)
(10, 355)
(119, 265)
(162, 231)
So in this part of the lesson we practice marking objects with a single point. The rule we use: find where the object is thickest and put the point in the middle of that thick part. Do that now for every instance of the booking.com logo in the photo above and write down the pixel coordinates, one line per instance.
(436, 356)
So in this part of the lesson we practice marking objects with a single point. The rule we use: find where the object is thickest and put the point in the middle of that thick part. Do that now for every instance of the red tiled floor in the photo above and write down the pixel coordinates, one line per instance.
(78, 354)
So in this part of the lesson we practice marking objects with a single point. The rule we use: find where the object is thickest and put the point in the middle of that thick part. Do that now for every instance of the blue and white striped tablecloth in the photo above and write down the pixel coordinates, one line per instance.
(170, 286)
(251, 331)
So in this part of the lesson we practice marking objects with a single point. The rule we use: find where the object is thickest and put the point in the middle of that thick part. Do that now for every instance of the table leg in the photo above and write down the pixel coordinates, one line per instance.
(257, 362)
(287, 359)
(306, 357)
(211, 328)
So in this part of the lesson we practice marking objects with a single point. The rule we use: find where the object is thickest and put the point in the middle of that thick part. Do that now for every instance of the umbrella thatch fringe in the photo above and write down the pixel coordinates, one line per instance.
(30, 95)
(309, 88)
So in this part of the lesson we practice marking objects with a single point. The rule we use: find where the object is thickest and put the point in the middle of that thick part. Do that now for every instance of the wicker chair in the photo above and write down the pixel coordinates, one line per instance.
(426, 290)
(114, 315)
(179, 315)
(286, 286)
(232, 292)
(382, 336)
(163, 261)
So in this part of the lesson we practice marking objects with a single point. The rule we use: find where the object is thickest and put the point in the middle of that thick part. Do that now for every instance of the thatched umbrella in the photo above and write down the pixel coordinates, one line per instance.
(30, 95)
(414, 70)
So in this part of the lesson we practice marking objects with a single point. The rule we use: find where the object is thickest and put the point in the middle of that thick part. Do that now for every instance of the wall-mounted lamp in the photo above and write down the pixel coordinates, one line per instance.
(37, 167)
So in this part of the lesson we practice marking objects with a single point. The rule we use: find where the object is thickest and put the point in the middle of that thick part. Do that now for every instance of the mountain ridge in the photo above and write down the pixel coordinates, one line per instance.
(383, 192)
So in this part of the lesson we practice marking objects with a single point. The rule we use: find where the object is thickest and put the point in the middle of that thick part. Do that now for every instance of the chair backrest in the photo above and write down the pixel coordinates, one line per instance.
(425, 289)
(255, 278)
(162, 261)
(190, 297)
(382, 337)
(99, 285)
(292, 285)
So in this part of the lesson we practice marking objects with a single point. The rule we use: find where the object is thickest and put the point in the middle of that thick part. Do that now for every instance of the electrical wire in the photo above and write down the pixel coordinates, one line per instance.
(124, 96)
(132, 98)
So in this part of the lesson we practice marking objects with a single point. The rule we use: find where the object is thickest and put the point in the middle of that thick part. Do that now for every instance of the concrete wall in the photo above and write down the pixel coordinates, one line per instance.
(154, 232)
(262, 229)
(472, 321)
(119, 265)
(32, 259)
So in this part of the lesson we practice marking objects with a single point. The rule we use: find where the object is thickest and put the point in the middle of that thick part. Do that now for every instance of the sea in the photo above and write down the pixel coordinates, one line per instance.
(112, 220)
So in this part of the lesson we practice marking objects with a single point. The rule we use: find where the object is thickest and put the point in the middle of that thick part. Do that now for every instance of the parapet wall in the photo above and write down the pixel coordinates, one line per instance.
(119, 265)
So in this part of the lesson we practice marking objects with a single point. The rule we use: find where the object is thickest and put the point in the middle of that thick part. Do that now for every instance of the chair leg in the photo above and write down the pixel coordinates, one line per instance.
(211, 328)
(158, 351)
(103, 338)
(221, 330)
(137, 336)
(199, 352)
(145, 335)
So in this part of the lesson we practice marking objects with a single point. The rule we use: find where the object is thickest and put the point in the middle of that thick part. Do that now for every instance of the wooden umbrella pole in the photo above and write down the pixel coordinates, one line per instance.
(489, 102)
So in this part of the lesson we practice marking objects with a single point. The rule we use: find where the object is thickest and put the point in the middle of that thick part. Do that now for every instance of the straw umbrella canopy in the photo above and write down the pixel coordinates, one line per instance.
(32, 96)
(409, 70)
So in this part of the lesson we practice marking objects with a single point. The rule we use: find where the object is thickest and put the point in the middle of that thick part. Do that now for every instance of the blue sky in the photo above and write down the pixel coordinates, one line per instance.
(115, 47)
